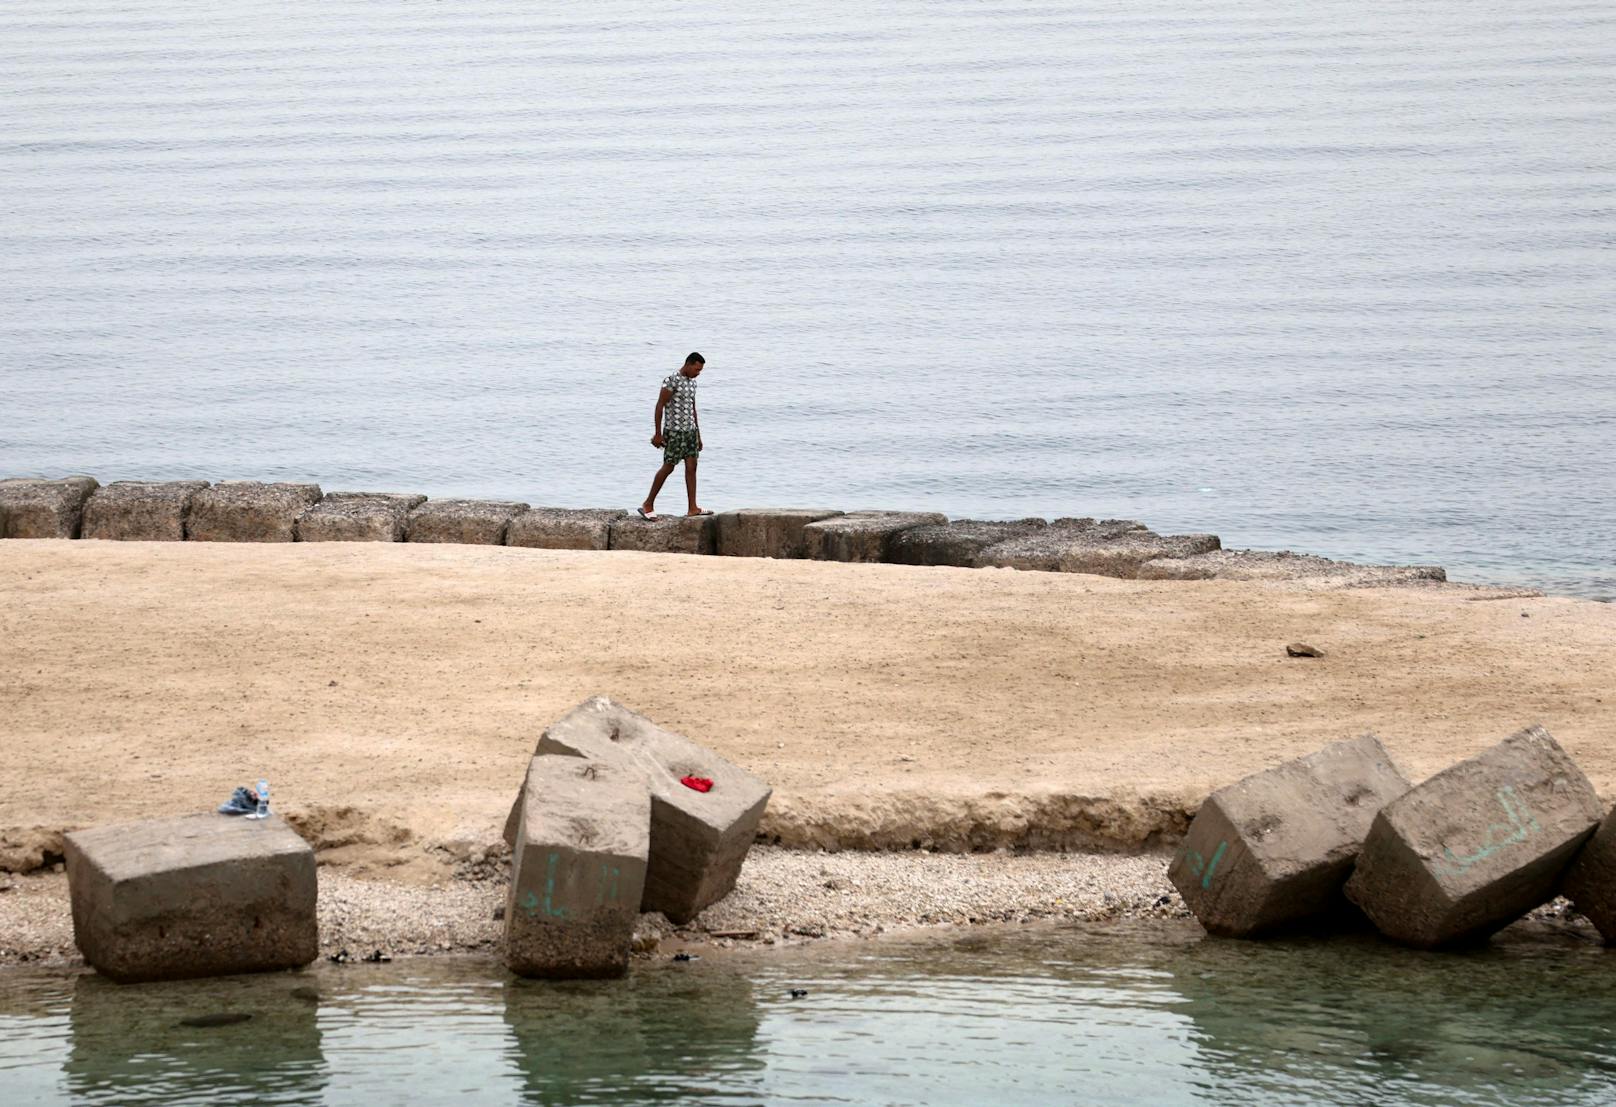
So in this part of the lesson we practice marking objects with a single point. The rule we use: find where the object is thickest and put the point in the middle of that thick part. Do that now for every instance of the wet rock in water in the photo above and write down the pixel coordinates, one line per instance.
(1275, 848)
(199, 895)
(1105, 547)
(564, 528)
(248, 511)
(686, 534)
(467, 522)
(39, 508)
(960, 543)
(699, 840)
(578, 868)
(140, 510)
(1590, 882)
(1283, 565)
(1302, 649)
(223, 1018)
(307, 995)
(767, 531)
(862, 536)
(358, 517)
(1476, 846)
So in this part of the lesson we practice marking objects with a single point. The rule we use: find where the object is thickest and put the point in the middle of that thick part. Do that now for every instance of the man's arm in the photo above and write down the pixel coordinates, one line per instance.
(661, 404)
(695, 417)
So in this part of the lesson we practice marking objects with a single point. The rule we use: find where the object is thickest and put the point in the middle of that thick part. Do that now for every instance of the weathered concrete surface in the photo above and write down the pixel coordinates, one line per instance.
(960, 543)
(1284, 565)
(1105, 547)
(249, 511)
(38, 508)
(466, 522)
(140, 510)
(668, 534)
(698, 839)
(564, 528)
(1590, 882)
(578, 868)
(199, 895)
(1276, 847)
(358, 517)
(862, 535)
(767, 531)
(1476, 846)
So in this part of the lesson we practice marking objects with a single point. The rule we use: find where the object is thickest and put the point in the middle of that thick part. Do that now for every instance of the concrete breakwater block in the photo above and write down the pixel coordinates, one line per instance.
(667, 534)
(199, 895)
(1590, 882)
(358, 517)
(140, 510)
(960, 543)
(577, 868)
(1275, 848)
(564, 528)
(467, 522)
(863, 535)
(37, 508)
(699, 840)
(767, 531)
(1105, 547)
(249, 511)
(1476, 846)
(1284, 565)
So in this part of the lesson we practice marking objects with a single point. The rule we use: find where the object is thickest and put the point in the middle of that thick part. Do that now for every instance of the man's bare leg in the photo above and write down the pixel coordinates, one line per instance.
(690, 484)
(657, 481)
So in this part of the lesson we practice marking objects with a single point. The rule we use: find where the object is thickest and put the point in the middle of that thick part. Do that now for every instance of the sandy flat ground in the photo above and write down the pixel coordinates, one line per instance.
(392, 693)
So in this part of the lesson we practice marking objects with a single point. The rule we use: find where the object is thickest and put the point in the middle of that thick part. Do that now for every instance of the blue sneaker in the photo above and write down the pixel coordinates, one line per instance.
(243, 801)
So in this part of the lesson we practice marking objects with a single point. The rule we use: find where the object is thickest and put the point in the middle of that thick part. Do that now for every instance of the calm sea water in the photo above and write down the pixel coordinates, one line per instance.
(1332, 275)
(1132, 1015)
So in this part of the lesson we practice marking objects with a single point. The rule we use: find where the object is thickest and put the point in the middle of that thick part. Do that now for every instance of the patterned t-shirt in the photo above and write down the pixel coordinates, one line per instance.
(680, 414)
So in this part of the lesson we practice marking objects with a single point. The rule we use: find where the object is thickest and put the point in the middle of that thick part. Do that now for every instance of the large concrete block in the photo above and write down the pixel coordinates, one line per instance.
(960, 543)
(1106, 547)
(140, 510)
(358, 517)
(1275, 848)
(1284, 565)
(468, 522)
(698, 839)
(767, 531)
(564, 528)
(249, 511)
(1476, 846)
(577, 868)
(862, 535)
(1590, 882)
(31, 508)
(668, 534)
(199, 895)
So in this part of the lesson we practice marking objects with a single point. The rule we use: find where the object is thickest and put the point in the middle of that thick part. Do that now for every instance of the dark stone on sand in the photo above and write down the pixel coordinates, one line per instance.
(40, 508)
(1302, 649)
(1478, 845)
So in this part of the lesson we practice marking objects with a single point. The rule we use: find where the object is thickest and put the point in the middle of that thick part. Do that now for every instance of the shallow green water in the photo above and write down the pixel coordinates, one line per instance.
(1131, 1014)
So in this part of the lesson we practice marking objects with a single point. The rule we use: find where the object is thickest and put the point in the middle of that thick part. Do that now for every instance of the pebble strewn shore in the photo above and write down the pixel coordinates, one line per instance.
(784, 896)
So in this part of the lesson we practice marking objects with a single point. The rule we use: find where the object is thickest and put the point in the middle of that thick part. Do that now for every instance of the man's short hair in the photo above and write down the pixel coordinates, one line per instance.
(696, 358)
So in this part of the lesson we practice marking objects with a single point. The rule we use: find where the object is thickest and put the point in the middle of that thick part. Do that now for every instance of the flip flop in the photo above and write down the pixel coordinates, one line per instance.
(698, 515)
(648, 516)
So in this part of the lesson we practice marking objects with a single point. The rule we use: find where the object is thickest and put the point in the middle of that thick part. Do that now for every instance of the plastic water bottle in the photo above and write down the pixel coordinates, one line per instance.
(263, 801)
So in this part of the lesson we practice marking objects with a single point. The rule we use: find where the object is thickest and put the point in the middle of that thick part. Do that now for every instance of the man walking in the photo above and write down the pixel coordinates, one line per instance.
(678, 432)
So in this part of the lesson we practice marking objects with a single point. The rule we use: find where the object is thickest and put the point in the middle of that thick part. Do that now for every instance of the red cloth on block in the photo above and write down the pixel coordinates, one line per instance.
(699, 783)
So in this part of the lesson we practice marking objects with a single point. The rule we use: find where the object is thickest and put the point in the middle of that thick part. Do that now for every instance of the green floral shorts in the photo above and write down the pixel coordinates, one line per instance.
(678, 445)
